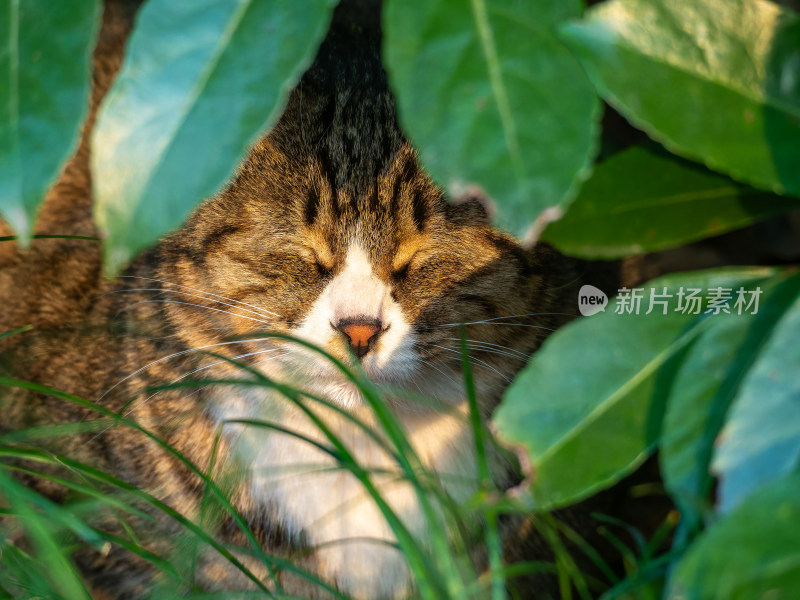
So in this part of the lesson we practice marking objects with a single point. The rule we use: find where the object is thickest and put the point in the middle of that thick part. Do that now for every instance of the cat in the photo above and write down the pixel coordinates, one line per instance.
(331, 232)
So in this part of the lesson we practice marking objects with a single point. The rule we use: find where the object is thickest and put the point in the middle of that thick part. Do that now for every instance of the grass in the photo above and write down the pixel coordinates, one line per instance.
(40, 537)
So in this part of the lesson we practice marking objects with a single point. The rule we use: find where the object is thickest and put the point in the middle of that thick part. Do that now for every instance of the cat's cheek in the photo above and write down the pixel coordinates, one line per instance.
(316, 329)
(395, 358)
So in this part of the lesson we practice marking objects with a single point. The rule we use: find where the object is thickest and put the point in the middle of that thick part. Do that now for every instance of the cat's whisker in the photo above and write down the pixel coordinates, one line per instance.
(192, 372)
(174, 355)
(500, 346)
(268, 359)
(488, 350)
(186, 287)
(184, 376)
(499, 325)
(125, 414)
(437, 369)
(477, 360)
(250, 328)
(227, 312)
(480, 365)
(544, 314)
(162, 290)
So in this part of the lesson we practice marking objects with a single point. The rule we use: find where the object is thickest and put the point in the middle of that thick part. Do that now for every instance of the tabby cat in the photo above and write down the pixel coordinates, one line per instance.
(330, 232)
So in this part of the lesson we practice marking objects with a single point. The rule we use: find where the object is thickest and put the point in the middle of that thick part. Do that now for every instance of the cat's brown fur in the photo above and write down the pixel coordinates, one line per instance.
(55, 280)
(333, 185)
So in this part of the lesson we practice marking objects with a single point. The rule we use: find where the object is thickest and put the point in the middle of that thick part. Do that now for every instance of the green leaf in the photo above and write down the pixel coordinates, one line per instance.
(761, 440)
(642, 201)
(45, 72)
(704, 386)
(754, 552)
(588, 406)
(717, 81)
(203, 79)
(490, 97)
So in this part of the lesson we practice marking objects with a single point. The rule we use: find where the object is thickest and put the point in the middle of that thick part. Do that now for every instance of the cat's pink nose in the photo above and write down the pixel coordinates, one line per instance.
(360, 333)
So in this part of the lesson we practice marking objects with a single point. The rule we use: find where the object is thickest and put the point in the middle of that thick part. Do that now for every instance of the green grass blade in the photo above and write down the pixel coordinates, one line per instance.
(494, 544)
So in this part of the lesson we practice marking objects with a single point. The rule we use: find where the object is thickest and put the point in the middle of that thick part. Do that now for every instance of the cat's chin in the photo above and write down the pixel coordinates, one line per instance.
(336, 388)
(326, 380)
(342, 393)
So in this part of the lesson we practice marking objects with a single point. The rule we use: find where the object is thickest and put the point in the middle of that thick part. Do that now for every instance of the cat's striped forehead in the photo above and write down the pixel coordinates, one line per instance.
(401, 203)
(403, 192)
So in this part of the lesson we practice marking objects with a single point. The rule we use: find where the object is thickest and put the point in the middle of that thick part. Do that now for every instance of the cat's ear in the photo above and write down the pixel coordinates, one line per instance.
(473, 207)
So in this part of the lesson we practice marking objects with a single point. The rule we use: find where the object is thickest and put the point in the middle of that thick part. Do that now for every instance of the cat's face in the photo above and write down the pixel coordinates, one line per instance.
(385, 279)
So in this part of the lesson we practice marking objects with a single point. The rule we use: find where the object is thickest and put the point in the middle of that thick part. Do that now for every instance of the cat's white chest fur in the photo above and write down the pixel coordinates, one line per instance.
(319, 500)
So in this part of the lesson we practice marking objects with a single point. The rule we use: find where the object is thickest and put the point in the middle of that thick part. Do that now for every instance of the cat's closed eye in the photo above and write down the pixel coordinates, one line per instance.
(324, 268)
(319, 258)
(400, 269)
(407, 257)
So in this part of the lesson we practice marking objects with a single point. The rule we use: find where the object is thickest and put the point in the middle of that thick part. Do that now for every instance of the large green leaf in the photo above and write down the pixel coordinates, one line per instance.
(717, 80)
(490, 96)
(754, 552)
(761, 440)
(642, 201)
(45, 71)
(201, 81)
(588, 406)
(705, 383)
